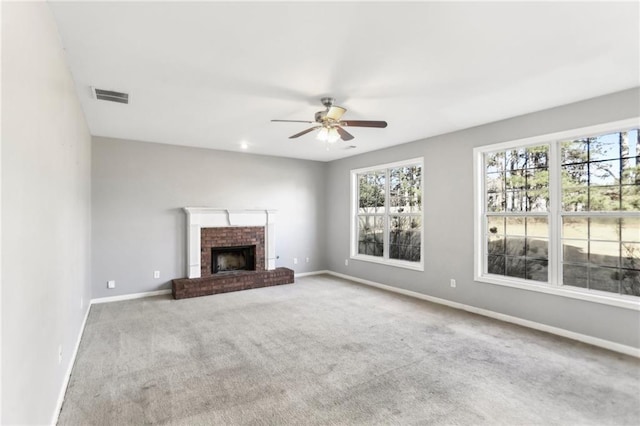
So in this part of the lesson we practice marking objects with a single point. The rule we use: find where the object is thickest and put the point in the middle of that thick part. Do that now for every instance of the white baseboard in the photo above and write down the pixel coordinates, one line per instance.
(307, 274)
(168, 291)
(595, 341)
(129, 296)
(67, 376)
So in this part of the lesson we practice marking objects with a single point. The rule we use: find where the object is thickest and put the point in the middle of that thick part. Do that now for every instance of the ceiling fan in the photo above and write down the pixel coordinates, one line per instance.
(330, 124)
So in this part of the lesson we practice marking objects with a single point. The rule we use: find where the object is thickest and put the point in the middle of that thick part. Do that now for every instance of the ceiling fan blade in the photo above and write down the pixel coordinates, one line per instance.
(293, 121)
(344, 135)
(363, 123)
(335, 112)
(304, 132)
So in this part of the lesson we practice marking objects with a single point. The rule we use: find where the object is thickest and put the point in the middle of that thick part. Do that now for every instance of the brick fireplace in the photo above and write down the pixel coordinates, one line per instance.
(243, 240)
(227, 239)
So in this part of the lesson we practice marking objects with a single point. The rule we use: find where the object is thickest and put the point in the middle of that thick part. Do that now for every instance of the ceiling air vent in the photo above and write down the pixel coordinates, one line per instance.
(110, 95)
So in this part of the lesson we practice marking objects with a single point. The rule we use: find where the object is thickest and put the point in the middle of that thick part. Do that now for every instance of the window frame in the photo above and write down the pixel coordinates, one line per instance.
(353, 231)
(555, 214)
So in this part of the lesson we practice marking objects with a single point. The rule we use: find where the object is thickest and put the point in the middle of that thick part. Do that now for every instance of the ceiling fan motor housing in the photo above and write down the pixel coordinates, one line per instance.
(320, 115)
(327, 102)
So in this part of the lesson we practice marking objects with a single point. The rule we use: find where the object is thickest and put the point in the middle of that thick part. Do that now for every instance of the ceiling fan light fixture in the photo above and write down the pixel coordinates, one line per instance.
(328, 134)
(333, 136)
(323, 134)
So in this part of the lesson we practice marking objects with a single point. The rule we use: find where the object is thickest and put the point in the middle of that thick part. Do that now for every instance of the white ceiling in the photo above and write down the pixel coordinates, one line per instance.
(212, 74)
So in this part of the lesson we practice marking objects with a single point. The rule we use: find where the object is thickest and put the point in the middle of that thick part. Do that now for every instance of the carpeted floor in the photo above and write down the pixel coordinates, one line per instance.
(328, 351)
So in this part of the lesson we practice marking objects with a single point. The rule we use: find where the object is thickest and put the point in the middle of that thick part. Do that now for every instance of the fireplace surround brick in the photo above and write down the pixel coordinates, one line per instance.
(230, 236)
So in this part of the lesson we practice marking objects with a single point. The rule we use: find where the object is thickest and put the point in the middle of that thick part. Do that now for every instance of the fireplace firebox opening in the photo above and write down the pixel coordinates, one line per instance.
(239, 258)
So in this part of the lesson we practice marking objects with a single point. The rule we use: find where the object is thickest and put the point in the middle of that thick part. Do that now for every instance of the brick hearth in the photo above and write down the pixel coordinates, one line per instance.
(230, 281)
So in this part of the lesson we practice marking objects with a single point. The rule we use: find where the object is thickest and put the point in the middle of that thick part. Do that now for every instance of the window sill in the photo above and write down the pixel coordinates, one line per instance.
(416, 266)
(595, 296)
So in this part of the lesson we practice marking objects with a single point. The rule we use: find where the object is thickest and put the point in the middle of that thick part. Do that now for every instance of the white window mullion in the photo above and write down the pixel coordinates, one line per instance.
(387, 220)
(354, 232)
(481, 213)
(555, 208)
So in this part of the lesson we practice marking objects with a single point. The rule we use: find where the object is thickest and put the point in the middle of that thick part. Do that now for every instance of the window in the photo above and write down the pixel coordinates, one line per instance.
(561, 213)
(387, 214)
(517, 217)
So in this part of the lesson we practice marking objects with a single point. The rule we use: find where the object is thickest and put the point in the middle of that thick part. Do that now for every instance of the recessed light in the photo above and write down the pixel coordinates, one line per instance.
(244, 145)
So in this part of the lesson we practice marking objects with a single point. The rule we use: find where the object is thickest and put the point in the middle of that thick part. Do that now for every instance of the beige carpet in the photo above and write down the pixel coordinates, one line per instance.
(328, 351)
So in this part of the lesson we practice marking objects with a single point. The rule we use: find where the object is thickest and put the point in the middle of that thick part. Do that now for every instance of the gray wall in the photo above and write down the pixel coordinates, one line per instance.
(448, 227)
(139, 190)
(45, 214)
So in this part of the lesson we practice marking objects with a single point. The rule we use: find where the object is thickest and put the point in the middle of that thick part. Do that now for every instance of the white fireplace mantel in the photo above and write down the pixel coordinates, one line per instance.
(206, 217)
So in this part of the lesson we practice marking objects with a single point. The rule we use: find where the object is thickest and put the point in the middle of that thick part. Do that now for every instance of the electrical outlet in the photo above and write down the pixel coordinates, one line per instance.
(346, 262)
(60, 354)
(452, 282)
(295, 260)
(307, 260)
(111, 284)
(156, 274)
